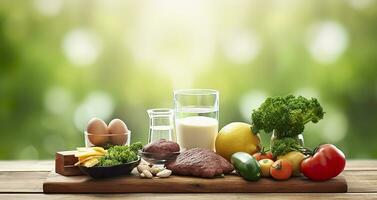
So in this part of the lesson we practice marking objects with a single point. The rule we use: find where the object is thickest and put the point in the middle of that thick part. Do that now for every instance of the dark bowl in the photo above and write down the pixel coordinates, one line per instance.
(113, 171)
(159, 158)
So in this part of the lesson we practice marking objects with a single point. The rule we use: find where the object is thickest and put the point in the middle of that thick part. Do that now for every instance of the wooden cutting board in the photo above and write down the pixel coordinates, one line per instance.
(56, 183)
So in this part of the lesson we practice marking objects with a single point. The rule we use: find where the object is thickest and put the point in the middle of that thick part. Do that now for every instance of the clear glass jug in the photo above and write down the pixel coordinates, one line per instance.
(161, 124)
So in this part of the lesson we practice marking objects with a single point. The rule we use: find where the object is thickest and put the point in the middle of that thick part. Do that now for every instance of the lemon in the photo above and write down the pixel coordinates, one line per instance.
(236, 137)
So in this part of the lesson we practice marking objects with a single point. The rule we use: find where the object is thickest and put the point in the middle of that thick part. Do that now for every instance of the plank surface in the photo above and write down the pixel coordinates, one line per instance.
(358, 181)
(22, 181)
(361, 165)
(26, 165)
(361, 181)
(196, 196)
(56, 183)
(47, 165)
(28, 176)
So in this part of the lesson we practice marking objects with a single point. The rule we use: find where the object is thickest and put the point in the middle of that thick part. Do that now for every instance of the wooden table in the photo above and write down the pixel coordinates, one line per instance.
(23, 180)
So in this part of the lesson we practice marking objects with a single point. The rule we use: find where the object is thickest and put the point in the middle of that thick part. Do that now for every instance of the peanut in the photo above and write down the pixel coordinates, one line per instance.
(147, 174)
(164, 173)
(155, 169)
(142, 167)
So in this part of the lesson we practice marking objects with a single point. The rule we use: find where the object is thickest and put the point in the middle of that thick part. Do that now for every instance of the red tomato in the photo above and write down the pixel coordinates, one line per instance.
(263, 155)
(326, 163)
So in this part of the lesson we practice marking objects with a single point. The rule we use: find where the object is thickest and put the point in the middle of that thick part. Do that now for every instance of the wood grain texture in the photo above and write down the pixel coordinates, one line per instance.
(192, 196)
(361, 165)
(56, 183)
(47, 165)
(20, 177)
(358, 181)
(64, 163)
(26, 165)
(22, 181)
(361, 181)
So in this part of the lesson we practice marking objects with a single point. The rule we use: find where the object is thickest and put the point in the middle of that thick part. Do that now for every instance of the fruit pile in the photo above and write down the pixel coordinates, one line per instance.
(239, 143)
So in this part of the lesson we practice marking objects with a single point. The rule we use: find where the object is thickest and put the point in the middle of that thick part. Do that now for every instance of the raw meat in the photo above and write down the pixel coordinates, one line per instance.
(201, 163)
(161, 146)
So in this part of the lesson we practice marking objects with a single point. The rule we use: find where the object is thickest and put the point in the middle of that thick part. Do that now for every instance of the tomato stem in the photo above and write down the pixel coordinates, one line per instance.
(307, 151)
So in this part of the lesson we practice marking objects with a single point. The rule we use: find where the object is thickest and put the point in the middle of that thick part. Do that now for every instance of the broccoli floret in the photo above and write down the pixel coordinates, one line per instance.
(287, 115)
(108, 162)
(136, 146)
(117, 155)
(284, 145)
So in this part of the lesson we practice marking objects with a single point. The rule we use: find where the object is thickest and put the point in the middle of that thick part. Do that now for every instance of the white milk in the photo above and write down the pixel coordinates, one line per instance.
(197, 131)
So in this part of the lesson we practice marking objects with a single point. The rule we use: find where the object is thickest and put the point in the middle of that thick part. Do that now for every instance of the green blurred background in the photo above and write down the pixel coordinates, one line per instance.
(65, 61)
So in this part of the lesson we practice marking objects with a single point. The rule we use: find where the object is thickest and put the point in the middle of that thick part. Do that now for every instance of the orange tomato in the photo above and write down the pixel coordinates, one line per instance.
(281, 170)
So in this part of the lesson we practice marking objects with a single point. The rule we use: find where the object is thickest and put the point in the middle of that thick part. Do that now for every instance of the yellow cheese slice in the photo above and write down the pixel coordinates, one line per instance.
(88, 153)
(91, 162)
(86, 159)
(99, 149)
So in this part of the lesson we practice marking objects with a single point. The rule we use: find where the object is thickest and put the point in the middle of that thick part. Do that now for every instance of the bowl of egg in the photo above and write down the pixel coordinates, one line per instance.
(99, 134)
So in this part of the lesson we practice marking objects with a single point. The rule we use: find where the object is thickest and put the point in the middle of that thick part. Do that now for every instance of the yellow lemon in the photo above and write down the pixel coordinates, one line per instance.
(236, 137)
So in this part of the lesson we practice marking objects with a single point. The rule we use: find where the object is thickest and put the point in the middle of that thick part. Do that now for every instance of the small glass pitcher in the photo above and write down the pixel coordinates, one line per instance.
(161, 125)
(299, 139)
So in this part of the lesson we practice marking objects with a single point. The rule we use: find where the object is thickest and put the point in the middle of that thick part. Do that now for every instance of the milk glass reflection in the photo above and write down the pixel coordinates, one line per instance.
(196, 117)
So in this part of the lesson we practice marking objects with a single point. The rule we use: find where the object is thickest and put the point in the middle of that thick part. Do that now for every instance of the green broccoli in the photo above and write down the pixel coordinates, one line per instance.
(284, 145)
(286, 115)
(117, 155)
(107, 162)
(136, 146)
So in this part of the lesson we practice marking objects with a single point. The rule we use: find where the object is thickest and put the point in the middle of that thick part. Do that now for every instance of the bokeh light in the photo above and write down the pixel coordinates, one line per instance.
(241, 46)
(335, 126)
(48, 7)
(361, 4)
(64, 62)
(97, 104)
(327, 41)
(82, 47)
(155, 44)
(58, 100)
(250, 101)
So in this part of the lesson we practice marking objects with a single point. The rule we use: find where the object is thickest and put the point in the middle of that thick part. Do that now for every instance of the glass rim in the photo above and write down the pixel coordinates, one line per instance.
(107, 134)
(196, 92)
(160, 111)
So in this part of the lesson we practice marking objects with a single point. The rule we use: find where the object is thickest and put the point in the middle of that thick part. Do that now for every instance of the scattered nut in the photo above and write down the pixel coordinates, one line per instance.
(143, 162)
(164, 173)
(142, 175)
(156, 169)
(147, 174)
(142, 167)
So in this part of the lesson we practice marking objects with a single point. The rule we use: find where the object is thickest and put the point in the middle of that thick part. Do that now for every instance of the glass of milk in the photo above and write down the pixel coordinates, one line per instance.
(196, 117)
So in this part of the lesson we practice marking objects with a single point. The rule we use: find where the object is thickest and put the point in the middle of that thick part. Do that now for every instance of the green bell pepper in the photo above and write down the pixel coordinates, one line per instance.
(246, 166)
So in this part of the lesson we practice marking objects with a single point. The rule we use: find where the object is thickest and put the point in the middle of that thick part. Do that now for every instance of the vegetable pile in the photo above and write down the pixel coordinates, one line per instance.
(286, 118)
(115, 155)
